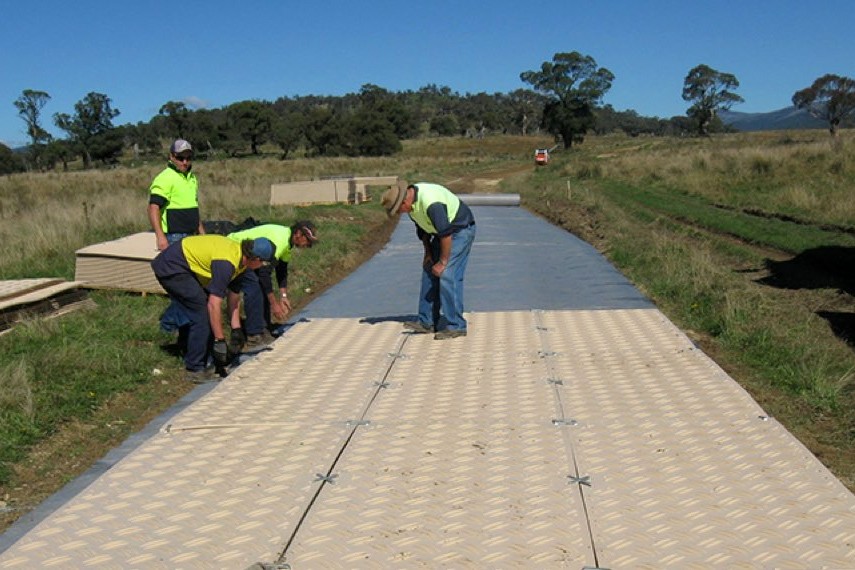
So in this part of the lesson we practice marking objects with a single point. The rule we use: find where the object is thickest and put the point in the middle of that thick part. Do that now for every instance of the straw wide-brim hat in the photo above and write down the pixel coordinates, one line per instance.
(392, 198)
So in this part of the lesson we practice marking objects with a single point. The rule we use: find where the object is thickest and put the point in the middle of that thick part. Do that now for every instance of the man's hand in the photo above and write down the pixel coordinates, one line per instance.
(221, 353)
(280, 309)
(162, 243)
(438, 268)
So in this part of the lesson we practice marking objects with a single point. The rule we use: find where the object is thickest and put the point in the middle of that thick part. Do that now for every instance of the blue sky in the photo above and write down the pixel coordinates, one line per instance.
(213, 53)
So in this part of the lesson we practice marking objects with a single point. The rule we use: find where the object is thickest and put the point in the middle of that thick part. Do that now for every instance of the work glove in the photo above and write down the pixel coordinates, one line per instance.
(221, 353)
(237, 340)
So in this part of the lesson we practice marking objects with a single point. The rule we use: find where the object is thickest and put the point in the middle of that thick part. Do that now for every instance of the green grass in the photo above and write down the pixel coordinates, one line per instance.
(785, 235)
(58, 369)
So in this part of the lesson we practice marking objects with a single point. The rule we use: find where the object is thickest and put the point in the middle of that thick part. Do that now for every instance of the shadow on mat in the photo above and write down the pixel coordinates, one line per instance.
(279, 330)
(392, 319)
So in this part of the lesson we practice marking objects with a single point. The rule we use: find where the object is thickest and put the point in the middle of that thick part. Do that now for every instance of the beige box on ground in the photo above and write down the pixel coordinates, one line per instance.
(304, 192)
(351, 190)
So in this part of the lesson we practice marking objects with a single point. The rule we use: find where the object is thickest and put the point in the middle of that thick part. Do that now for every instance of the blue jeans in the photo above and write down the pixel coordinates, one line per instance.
(255, 303)
(444, 294)
(174, 237)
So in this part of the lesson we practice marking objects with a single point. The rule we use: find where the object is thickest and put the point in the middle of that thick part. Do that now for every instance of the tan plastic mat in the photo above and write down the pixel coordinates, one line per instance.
(17, 291)
(22, 299)
(599, 439)
(123, 264)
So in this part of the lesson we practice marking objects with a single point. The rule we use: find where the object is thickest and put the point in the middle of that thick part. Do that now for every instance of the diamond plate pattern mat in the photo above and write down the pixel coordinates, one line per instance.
(459, 466)
(687, 470)
(598, 438)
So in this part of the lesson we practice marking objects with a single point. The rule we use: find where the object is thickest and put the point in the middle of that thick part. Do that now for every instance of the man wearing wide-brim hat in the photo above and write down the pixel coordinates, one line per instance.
(446, 227)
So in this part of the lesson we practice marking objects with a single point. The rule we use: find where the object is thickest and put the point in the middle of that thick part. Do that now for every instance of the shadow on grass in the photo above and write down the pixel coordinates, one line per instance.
(173, 349)
(842, 324)
(831, 267)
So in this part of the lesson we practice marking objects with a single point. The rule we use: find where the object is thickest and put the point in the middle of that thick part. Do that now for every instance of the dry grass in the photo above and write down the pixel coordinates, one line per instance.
(16, 386)
(45, 217)
(807, 173)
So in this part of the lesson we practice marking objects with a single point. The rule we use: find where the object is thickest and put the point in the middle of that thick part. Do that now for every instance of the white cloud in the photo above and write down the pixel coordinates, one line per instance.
(195, 102)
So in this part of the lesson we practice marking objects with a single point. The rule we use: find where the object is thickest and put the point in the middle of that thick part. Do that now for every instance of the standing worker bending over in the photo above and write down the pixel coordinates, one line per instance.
(261, 296)
(197, 272)
(446, 227)
(173, 205)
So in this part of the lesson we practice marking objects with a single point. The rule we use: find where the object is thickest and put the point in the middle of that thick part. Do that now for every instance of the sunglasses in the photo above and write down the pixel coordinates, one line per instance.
(183, 158)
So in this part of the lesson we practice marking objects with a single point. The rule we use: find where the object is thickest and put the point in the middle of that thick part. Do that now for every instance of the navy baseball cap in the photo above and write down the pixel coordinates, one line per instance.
(263, 248)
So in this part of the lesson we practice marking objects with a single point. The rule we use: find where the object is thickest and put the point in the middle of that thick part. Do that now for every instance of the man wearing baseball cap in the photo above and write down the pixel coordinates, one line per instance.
(198, 272)
(446, 227)
(173, 205)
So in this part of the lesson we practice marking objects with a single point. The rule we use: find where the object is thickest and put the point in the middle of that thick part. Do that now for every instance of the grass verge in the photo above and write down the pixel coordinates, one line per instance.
(718, 271)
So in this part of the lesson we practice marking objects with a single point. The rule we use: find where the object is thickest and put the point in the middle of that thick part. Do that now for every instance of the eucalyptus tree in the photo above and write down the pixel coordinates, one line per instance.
(574, 86)
(436, 108)
(177, 117)
(321, 127)
(91, 130)
(9, 161)
(30, 105)
(527, 109)
(709, 91)
(830, 98)
(251, 121)
(288, 130)
(384, 105)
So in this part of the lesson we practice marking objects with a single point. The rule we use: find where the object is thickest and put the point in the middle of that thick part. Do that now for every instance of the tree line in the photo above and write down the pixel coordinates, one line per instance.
(564, 100)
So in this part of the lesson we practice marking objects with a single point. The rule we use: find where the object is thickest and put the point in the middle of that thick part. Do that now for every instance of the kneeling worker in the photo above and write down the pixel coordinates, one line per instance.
(197, 272)
(261, 296)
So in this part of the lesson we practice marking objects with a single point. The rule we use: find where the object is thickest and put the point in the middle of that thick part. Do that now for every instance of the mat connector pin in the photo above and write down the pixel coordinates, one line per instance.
(564, 422)
(584, 480)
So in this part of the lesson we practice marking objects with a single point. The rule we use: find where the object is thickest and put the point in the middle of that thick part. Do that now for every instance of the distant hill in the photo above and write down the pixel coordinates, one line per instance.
(782, 119)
